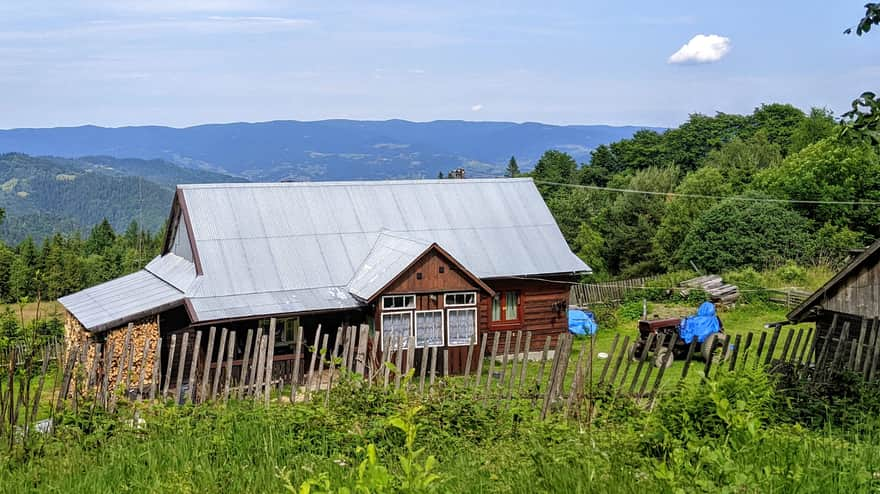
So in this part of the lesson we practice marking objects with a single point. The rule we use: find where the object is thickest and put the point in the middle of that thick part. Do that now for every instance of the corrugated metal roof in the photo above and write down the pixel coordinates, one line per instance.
(121, 300)
(273, 303)
(391, 254)
(175, 270)
(278, 248)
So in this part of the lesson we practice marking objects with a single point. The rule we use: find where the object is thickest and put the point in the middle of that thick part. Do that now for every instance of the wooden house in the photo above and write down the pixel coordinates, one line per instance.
(851, 296)
(440, 261)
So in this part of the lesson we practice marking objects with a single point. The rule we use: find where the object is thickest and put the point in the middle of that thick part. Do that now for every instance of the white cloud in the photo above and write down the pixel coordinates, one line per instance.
(702, 48)
(477, 107)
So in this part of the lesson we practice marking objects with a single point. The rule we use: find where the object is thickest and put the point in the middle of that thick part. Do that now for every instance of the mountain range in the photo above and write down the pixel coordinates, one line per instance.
(324, 150)
(59, 180)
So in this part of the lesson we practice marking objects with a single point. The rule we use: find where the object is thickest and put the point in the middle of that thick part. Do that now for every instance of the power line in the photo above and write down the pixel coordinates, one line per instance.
(696, 196)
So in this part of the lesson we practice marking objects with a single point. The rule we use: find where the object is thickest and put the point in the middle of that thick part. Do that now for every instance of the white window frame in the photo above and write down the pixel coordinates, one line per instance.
(442, 327)
(447, 304)
(403, 345)
(449, 342)
(406, 297)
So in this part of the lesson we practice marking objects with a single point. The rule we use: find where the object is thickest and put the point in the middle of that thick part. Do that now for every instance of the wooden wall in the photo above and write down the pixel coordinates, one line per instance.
(450, 280)
(539, 315)
(858, 294)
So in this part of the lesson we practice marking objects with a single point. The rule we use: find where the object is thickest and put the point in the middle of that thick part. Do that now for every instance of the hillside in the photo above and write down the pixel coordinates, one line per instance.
(44, 195)
(324, 150)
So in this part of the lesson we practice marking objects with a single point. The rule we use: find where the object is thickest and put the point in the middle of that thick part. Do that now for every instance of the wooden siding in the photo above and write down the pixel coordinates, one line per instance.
(451, 279)
(537, 299)
(543, 304)
(859, 294)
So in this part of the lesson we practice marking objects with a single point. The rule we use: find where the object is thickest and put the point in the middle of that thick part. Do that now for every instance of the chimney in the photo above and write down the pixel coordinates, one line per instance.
(457, 173)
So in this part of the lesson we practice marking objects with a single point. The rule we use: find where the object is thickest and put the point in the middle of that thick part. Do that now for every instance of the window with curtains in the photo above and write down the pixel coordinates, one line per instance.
(462, 326)
(506, 308)
(396, 329)
(429, 328)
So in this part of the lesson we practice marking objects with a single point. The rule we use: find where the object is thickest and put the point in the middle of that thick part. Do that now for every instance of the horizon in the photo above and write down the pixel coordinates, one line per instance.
(187, 63)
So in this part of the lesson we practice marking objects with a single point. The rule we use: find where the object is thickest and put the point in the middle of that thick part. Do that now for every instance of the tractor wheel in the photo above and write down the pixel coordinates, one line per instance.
(664, 356)
(706, 349)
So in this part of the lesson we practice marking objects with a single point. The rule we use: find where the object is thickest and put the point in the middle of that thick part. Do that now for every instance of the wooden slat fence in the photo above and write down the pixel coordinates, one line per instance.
(560, 379)
(607, 292)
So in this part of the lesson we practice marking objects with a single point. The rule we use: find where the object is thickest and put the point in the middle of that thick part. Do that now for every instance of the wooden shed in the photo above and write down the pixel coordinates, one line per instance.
(851, 296)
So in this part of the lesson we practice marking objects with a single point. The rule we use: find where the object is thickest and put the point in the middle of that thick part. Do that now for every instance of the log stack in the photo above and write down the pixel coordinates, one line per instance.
(715, 288)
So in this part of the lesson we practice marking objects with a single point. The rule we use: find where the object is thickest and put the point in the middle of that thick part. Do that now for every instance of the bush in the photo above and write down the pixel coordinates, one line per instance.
(736, 234)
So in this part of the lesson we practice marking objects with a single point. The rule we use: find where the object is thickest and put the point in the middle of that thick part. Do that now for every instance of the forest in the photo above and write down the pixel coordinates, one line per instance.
(719, 192)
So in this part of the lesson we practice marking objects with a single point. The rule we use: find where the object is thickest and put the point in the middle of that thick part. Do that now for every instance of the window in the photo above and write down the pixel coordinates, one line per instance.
(393, 302)
(462, 324)
(462, 298)
(506, 308)
(429, 328)
(285, 330)
(396, 329)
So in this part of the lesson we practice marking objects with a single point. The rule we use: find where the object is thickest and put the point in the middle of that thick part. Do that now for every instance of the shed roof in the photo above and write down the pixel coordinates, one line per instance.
(122, 300)
(273, 248)
(868, 257)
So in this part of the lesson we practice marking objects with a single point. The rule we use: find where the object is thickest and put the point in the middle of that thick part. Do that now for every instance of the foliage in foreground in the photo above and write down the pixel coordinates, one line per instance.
(727, 436)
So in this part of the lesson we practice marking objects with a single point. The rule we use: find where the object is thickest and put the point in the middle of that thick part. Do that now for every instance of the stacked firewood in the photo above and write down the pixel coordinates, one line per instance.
(715, 288)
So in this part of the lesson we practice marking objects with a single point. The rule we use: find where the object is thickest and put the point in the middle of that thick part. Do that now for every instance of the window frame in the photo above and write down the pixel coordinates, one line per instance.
(447, 304)
(476, 334)
(502, 297)
(405, 296)
(412, 320)
(415, 328)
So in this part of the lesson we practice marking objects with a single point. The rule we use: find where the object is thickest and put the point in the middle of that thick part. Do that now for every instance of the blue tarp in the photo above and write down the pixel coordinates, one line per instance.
(581, 322)
(701, 325)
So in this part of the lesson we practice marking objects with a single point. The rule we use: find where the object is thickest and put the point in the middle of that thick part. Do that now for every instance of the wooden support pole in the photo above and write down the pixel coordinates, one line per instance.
(467, 364)
(772, 347)
(206, 367)
(312, 362)
(270, 361)
(218, 364)
(734, 353)
(229, 354)
(621, 354)
(157, 370)
(489, 377)
(688, 358)
(178, 388)
(480, 357)
(609, 359)
(193, 366)
(170, 367)
(294, 383)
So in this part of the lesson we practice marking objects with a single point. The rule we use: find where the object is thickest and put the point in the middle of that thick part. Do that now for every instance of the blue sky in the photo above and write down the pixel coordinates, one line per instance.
(121, 62)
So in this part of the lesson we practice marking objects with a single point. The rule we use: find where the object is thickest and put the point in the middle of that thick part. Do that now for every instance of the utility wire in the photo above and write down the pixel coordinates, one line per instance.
(693, 196)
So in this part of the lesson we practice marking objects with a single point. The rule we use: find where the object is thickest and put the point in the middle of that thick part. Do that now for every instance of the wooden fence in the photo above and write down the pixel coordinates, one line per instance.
(788, 297)
(561, 378)
(612, 291)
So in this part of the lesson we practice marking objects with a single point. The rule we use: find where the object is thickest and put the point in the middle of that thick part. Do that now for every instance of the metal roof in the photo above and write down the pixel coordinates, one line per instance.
(278, 248)
(119, 301)
(391, 254)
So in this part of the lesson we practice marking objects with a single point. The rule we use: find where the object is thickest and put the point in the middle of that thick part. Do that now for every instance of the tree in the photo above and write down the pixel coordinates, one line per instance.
(687, 145)
(682, 212)
(778, 121)
(440, 175)
(830, 170)
(863, 121)
(557, 167)
(589, 246)
(739, 160)
(101, 238)
(736, 233)
(629, 222)
(512, 168)
(818, 125)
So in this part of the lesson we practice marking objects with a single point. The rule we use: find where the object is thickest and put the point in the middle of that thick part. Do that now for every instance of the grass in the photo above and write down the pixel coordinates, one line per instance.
(30, 310)
(478, 448)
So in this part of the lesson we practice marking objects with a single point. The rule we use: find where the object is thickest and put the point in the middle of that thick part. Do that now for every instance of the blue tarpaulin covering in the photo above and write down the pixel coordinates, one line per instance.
(581, 322)
(701, 325)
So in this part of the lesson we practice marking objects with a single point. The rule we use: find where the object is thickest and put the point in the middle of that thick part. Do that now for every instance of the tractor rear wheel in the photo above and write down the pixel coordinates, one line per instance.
(707, 348)
(664, 356)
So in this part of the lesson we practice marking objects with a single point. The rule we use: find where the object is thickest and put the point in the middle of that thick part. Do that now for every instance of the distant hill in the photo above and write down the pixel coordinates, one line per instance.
(44, 195)
(323, 150)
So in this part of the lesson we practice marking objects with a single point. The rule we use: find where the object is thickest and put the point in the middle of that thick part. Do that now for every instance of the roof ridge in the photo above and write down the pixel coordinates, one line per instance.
(345, 183)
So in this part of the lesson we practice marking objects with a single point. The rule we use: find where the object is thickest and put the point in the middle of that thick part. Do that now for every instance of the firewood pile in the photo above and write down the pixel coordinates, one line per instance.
(715, 288)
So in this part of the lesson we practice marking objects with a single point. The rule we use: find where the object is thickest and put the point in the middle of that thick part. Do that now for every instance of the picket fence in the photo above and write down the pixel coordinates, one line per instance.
(561, 378)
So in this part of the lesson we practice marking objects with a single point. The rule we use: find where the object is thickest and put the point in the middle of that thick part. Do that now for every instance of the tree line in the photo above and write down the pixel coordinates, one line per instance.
(718, 192)
(63, 264)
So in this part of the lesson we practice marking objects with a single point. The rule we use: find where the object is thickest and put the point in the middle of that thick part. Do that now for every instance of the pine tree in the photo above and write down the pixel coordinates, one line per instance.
(512, 168)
